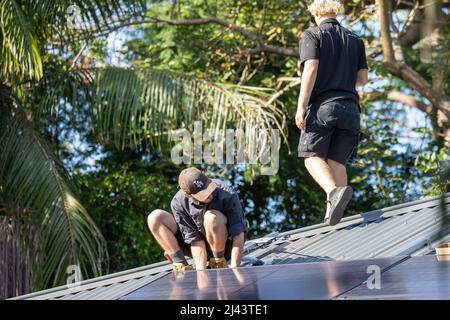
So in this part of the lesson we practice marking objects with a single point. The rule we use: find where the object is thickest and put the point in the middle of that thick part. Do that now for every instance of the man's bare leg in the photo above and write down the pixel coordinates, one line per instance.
(163, 227)
(339, 172)
(319, 169)
(322, 173)
(215, 224)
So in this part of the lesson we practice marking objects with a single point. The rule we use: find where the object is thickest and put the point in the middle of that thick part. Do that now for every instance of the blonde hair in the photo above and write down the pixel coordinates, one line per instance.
(323, 7)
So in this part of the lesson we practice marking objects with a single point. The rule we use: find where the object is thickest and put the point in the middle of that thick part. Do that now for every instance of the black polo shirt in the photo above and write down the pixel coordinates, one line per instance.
(341, 54)
(188, 213)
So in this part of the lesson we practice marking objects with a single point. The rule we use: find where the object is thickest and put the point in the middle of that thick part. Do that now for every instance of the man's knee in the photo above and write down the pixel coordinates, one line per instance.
(214, 219)
(335, 164)
(156, 219)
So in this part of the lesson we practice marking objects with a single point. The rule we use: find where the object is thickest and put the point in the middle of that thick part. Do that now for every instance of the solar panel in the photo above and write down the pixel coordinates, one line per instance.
(323, 280)
(425, 277)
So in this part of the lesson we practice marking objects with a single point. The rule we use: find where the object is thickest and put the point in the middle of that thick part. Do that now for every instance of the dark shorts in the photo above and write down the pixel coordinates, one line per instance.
(187, 247)
(332, 131)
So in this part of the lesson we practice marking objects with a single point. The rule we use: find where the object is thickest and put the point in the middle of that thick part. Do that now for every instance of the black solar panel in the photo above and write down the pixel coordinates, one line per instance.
(425, 277)
(324, 280)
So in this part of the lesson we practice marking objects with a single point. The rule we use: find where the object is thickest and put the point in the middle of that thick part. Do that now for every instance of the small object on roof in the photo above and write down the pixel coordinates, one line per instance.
(258, 262)
(253, 261)
(217, 263)
(180, 267)
(266, 239)
(443, 251)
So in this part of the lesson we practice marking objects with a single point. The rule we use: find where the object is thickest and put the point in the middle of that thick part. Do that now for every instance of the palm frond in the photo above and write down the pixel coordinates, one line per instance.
(134, 108)
(26, 27)
(96, 17)
(62, 90)
(31, 177)
(19, 49)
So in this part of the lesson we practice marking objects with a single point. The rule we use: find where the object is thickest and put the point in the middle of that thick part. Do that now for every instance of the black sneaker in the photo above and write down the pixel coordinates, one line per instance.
(339, 198)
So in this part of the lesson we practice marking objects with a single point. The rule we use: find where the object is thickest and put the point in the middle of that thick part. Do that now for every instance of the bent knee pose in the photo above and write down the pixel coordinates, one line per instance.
(207, 223)
(328, 112)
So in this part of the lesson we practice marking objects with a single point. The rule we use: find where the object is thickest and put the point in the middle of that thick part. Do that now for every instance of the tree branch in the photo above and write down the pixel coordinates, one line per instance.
(172, 8)
(398, 96)
(260, 46)
(386, 40)
(77, 56)
(400, 68)
(256, 38)
(208, 8)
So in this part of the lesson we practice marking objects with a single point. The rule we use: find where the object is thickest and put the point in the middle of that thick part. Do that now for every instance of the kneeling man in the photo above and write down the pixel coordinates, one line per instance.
(207, 224)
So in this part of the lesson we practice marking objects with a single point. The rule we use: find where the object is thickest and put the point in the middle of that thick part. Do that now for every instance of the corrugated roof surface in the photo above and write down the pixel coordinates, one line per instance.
(412, 228)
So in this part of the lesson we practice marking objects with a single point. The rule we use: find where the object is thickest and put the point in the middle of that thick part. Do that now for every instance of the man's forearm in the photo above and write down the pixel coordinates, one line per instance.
(237, 250)
(199, 254)
(308, 79)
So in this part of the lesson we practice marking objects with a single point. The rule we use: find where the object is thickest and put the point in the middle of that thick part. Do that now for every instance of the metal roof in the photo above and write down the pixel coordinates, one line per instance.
(409, 229)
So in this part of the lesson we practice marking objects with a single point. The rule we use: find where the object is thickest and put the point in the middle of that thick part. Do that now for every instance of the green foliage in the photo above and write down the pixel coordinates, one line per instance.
(436, 166)
(119, 197)
(19, 47)
(385, 172)
(34, 185)
(218, 53)
(138, 108)
(35, 188)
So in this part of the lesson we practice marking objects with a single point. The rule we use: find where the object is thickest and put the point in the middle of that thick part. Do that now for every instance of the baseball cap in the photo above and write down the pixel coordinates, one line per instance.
(195, 183)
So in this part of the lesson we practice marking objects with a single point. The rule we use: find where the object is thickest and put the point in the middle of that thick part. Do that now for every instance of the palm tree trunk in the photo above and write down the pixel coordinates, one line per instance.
(14, 259)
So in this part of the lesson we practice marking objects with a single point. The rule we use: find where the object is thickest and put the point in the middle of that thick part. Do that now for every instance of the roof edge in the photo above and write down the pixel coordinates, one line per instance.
(82, 284)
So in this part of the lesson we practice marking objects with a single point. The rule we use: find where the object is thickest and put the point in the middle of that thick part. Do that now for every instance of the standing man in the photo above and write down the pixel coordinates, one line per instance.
(207, 223)
(328, 111)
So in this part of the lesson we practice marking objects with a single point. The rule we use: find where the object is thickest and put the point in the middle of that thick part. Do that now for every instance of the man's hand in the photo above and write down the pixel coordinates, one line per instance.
(299, 118)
